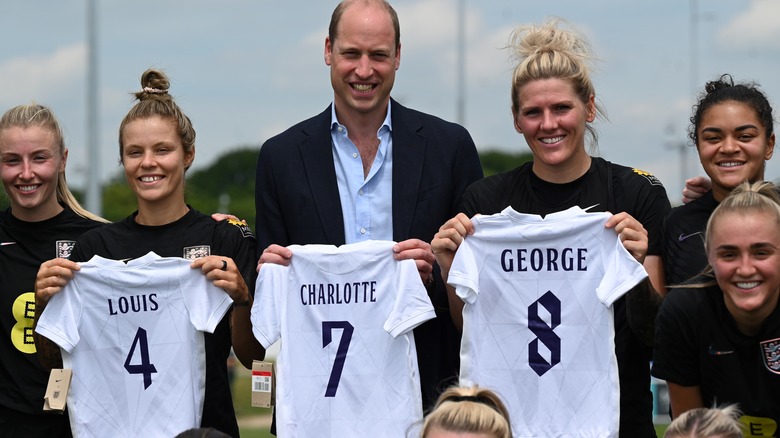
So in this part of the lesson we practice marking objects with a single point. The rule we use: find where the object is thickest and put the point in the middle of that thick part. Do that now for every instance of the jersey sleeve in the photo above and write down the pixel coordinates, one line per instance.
(675, 358)
(269, 302)
(238, 243)
(206, 303)
(463, 272)
(412, 306)
(621, 270)
(60, 320)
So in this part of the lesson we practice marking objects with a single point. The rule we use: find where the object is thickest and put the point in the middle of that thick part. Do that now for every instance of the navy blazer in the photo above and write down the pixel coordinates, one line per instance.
(297, 202)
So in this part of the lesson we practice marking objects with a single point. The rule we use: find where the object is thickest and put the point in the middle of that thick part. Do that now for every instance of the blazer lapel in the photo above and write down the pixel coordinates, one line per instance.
(408, 157)
(317, 156)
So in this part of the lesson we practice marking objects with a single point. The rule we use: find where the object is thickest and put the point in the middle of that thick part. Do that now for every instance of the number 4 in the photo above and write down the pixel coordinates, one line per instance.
(341, 352)
(144, 367)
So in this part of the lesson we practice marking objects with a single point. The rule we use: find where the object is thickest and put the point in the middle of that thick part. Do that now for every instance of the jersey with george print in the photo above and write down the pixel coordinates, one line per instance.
(604, 187)
(538, 326)
(348, 365)
(23, 247)
(132, 335)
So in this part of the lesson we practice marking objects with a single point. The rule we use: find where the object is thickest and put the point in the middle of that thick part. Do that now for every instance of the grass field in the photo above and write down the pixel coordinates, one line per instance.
(255, 422)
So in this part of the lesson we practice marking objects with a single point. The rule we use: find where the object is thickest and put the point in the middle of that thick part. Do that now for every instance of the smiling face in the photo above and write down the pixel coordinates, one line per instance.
(552, 119)
(744, 252)
(30, 163)
(155, 162)
(363, 58)
(732, 146)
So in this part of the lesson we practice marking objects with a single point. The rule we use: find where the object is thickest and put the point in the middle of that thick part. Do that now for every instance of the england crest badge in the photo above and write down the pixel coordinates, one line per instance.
(771, 353)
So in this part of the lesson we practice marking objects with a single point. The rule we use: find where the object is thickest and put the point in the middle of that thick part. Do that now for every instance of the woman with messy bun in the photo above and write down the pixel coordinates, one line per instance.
(156, 147)
(554, 107)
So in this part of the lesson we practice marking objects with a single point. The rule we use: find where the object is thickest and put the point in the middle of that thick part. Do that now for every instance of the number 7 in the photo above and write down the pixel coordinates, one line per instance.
(341, 352)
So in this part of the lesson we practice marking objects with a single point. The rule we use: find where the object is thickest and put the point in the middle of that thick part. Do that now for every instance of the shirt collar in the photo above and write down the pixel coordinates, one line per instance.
(334, 121)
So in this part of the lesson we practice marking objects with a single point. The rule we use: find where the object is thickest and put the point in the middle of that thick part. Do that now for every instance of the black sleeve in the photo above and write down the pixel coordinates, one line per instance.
(675, 356)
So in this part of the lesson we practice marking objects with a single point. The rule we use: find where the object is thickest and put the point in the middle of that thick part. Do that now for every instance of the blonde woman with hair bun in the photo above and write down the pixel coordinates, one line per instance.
(467, 413)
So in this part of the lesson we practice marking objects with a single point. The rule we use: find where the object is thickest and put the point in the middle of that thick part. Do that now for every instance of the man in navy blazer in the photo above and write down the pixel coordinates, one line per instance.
(369, 168)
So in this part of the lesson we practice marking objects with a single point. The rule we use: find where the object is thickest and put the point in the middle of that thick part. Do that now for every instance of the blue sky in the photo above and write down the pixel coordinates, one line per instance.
(244, 70)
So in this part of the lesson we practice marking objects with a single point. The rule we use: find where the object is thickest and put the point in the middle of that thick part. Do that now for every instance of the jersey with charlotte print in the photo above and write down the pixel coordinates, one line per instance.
(348, 364)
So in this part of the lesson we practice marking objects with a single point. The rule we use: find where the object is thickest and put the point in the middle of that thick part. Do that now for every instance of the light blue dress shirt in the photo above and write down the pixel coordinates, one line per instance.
(366, 203)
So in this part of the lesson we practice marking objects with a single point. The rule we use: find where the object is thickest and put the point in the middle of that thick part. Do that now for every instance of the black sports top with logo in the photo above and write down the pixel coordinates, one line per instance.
(194, 235)
(23, 247)
(604, 187)
(698, 344)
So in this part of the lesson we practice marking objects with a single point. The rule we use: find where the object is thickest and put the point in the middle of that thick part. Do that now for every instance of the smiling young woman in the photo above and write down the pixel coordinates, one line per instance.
(156, 147)
(718, 337)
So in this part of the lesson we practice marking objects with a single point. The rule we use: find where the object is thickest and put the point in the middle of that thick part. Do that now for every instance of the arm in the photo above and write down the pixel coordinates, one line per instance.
(444, 245)
(643, 301)
(52, 276)
(684, 398)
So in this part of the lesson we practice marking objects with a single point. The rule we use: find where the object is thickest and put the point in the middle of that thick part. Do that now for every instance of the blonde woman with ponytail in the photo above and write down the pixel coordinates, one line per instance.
(43, 222)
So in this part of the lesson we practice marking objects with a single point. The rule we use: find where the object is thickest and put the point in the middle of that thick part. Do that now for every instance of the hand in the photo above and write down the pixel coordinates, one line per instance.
(224, 274)
(420, 252)
(448, 240)
(275, 254)
(695, 188)
(632, 234)
(219, 217)
(52, 276)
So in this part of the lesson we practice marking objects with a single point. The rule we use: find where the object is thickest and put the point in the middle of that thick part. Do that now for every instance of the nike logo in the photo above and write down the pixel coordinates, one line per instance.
(7, 243)
(713, 352)
(57, 380)
(685, 236)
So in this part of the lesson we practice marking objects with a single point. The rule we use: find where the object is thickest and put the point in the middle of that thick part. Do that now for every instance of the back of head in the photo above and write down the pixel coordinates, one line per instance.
(154, 101)
(746, 198)
(706, 422)
(550, 51)
(724, 89)
(474, 410)
(36, 115)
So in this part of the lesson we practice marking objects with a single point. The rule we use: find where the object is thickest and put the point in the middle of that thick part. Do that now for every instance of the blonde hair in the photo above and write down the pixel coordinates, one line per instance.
(547, 51)
(26, 116)
(477, 410)
(154, 100)
(706, 422)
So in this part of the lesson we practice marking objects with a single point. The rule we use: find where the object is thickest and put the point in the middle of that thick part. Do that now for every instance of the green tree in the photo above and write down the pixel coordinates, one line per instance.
(495, 161)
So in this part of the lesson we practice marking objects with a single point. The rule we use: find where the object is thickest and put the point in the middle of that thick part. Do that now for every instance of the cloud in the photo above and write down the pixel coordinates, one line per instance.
(755, 28)
(43, 77)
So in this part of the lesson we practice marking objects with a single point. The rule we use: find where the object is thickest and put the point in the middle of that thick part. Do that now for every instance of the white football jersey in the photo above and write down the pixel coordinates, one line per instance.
(538, 326)
(132, 333)
(347, 365)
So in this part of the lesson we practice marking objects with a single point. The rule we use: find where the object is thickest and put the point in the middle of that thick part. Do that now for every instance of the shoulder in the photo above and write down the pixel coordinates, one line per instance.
(689, 301)
(635, 177)
(423, 123)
